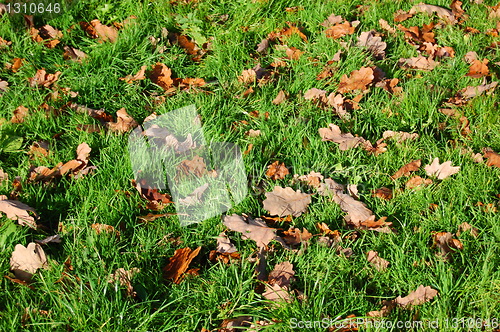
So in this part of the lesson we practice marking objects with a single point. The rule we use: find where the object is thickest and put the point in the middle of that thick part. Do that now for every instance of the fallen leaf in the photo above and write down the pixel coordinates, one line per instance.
(400, 15)
(383, 193)
(473, 91)
(417, 181)
(4, 177)
(98, 30)
(103, 228)
(389, 85)
(332, 20)
(374, 259)
(334, 134)
(15, 65)
(441, 171)
(277, 171)
(124, 277)
(493, 158)
(195, 166)
(406, 169)
(419, 62)
(73, 54)
(339, 30)
(16, 210)
(466, 227)
(156, 200)
(50, 239)
(417, 36)
(443, 13)
(312, 179)
(373, 43)
(399, 136)
(294, 236)
(446, 244)
(25, 261)
(293, 53)
(385, 26)
(179, 263)
(43, 79)
(19, 114)
(161, 75)
(358, 80)
(314, 93)
(39, 150)
(464, 126)
(419, 296)
(495, 12)
(253, 229)
(252, 133)
(280, 97)
(140, 75)
(285, 201)
(195, 197)
(124, 122)
(478, 69)
(278, 285)
(4, 86)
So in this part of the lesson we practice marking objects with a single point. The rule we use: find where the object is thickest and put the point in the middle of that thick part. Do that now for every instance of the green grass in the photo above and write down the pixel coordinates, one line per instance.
(469, 285)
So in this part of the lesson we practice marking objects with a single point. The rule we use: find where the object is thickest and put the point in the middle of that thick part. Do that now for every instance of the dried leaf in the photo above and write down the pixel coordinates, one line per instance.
(406, 169)
(124, 277)
(42, 78)
(277, 171)
(161, 75)
(278, 286)
(4, 177)
(399, 136)
(19, 114)
(286, 201)
(16, 64)
(419, 62)
(419, 296)
(313, 179)
(16, 210)
(385, 26)
(294, 236)
(252, 133)
(466, 227)
(50, 239)
(280, 97)
(25, 261)
(441, 171)
(103, 32)
(293, 53)
(73, 54)
(473, 91)
(179, 263)
(493, 158)
(140, 75)
(383, 193)
(253, 229)
(446, 244)
(334, 134)
(478, 69)
(248, 76)
(339, 30)
(417, 181)
(314, 93)
(124, 122)
(332, 20)
(103, 228)
(373, 43)
(443, 13)
(379, 263)
(358, 80)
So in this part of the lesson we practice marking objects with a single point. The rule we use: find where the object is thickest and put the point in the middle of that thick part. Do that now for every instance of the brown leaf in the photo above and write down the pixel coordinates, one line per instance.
(248, 76)
(293, 53)
(195, 166)
(446, 244)
(406, 169)
(161, 75)
(294, 236)
(389, 85)
(441, 171)
(332, 20)
(419, 62)
(285, 201)
(377, 148)
(124, 122)
(400, 15)
(465, 227)
(339, 30)
(493, 158)
(25, 261)
(385, 26)
(140, 75)
(73, 54)
(417, 181)
(16, 210)
(312, 179)
(358, 80)
(179, 263)
(379, 263)
(373, 43)
(417, 36)
(314, 93)
(473, 91)
(252, 133)
(278, 286)
(39, 150)
(383, 193)
(15, 65)
(399, 136)
(124, 277)
(253, 229)
(280, 97)
(19, 114)
(443, 13)
(4, 177)
(157, 200)
(478, 69)
(419, 296)
(4, 86)
(495, 12)
(334, 134)
(42, 78)
(277, 171)
(101, 31)
(103, 228)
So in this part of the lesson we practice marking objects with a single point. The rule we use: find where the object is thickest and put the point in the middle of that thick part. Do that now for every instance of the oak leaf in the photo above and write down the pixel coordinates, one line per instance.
(399, 136)
(358, 80)
(280, 97)
(161, 75)
(253, 229)
(419, 62)
(25, 261)
(478, 69)
(19, 114)
(339, 30)
(73, 54)
(383, 193)
(334, 134)
(294, 236)
(373, 43)
(379, 263)
(140, 75)
(441, 171)
(419, 296)
(446, 244)
(312, 179)
(277, 171)
(406, 169)
(443, 13)
(42, 78)
(493, 158)
(124, 277)
(179, 263)
(124, 122)
(286, 201)
(416, 182)
(16, 210)
(278, 285)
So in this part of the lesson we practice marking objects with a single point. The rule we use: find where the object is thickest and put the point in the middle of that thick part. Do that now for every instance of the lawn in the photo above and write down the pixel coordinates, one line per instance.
(345, 220)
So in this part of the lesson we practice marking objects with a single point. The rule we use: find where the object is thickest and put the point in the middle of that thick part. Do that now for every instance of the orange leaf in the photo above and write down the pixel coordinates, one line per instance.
(179, 263)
